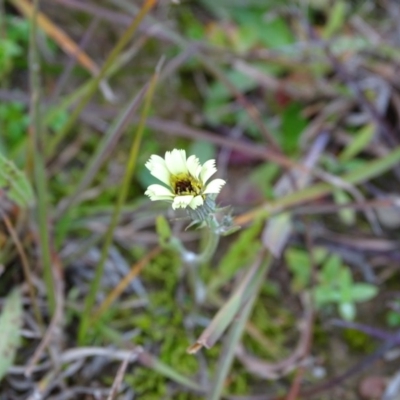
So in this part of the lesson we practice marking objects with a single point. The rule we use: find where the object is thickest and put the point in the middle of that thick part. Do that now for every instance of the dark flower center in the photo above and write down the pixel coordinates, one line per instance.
(184, 185)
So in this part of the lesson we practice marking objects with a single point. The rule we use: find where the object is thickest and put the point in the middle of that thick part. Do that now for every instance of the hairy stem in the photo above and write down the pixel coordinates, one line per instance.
(193, 260)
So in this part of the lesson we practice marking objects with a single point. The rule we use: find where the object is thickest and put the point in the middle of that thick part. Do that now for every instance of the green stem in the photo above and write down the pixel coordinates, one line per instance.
(212, 241)
(193, 260)
(39, 163)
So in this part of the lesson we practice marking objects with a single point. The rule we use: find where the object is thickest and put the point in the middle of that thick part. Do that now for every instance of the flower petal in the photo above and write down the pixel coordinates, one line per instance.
(181, 201)
(214, 186)
(157, 167)
(196, 202)
(161, 198)
(155, 159)
(158, 190)
(176, 161)
(193, 165)
(207, 170)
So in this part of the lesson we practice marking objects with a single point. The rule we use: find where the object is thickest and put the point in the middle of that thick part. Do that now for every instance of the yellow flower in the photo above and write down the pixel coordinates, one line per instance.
(186, 179)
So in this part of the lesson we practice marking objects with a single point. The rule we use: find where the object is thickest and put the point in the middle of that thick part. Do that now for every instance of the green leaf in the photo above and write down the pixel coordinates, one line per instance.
(14, 120)
(163, 230)
(293, 124)
(58, 120)
(18, 30)
(276, 33)
(10, 323)
(299, 264)
(325, 294)
(346, 215)
(363, 292)
(8, 51)
(358, 144)
(330, 269)
(393, 319)
(15, 183)
(347, 311)
(246, 38)
(320, 254)
(345, 280)
(337, 16)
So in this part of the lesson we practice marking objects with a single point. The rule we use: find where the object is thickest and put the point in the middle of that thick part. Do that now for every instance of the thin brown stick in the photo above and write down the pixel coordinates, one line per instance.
(118, 379)
(25, 266)
(295, 388)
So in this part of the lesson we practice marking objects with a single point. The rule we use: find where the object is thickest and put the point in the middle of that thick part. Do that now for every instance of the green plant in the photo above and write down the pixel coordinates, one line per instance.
(15, 184)
(14, 122)
(11, 321)
(335, 285)
(9, 50)
(393, 316)
(14, 45)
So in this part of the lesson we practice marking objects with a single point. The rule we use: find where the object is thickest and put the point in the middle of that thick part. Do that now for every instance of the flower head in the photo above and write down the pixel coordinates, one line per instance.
(185, 177)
